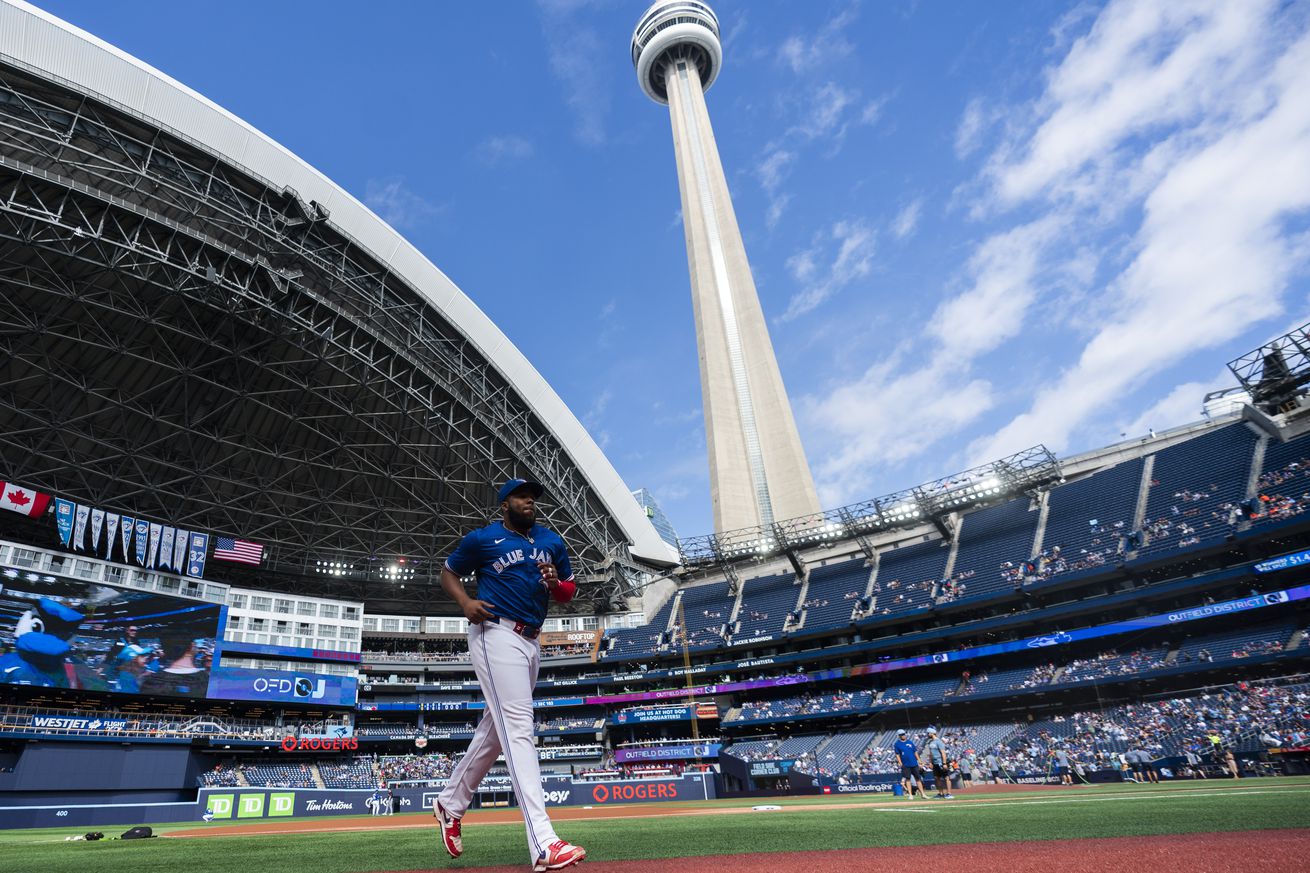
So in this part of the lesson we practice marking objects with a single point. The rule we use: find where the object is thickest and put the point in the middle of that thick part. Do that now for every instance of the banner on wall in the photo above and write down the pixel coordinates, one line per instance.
(196, 552)
(64, 510)
(142, 540)
(166, 537)
(97, 525)
(111, 524)
(79, 525)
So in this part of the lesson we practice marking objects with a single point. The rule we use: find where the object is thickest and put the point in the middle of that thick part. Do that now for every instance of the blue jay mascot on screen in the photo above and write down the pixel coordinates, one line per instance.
(41, 647)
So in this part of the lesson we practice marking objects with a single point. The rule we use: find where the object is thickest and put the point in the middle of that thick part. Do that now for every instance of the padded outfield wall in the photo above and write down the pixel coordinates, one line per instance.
(91, 809)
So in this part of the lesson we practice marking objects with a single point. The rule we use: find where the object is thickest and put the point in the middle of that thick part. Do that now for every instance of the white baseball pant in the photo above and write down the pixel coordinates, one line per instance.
(506, 665)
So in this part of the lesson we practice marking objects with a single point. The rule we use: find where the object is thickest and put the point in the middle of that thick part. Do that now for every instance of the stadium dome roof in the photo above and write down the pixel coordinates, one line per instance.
(201, 329)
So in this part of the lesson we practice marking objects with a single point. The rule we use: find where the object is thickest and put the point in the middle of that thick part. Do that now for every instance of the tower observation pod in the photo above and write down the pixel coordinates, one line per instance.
(758, 471)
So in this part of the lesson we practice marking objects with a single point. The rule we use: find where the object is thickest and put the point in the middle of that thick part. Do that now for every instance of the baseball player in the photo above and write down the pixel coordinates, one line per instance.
(520, 567)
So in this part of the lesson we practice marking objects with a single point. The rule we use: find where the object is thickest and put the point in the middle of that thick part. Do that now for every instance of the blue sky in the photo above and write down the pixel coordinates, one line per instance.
(973, 226)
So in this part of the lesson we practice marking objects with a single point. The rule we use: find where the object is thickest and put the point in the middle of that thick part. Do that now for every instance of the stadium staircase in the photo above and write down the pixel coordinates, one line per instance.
(1055, 677)
(1143, 496)
(241, 778)
(318, 777)
(1295, 640)
(1043, 513)
(801, 598)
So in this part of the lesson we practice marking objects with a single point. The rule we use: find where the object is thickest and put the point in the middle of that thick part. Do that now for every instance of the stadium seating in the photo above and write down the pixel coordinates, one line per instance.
(765, 604)
(1266, 639)
(1087, 519)
(1284, 484)
(906, 578)
(1111, 664)
(991, 682)
(279, 775)
(636, 642)
(990, 538)
(805, 705)
(920, 692)
(706, 609)
(355, 773)
(1196, 489)
(833, 593)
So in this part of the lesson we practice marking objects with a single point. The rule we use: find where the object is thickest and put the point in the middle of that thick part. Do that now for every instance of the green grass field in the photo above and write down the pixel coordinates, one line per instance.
(804, 824)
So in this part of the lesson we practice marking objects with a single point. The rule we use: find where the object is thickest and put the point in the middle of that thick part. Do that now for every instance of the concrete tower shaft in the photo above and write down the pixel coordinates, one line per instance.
(758, 471)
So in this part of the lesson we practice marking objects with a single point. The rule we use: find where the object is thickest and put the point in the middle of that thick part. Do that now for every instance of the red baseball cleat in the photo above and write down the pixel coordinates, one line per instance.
(559, 855)
(450, 831)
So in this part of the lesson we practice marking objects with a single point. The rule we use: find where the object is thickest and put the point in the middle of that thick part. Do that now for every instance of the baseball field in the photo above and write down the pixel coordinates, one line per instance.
(1192, 826)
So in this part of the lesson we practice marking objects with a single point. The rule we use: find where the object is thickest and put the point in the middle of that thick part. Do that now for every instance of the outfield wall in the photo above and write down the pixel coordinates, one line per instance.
(275, 804)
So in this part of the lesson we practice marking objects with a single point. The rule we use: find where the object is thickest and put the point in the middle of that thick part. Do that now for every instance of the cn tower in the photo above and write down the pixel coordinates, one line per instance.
(758, 471)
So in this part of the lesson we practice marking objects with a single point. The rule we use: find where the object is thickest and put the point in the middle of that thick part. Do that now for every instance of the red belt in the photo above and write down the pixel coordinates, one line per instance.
(526, 631)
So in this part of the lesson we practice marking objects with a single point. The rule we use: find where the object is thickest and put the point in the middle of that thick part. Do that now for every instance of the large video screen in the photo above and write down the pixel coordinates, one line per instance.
(57, 632)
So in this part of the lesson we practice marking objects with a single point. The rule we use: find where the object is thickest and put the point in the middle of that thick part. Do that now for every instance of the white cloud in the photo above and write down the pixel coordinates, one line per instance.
(503, 149)
(396, 204)
(851, 246)
(1213, 253)
(968, 135)
(1182, 404)
(907, 220)
(829, 43)
(573, 49)
(995, 305)
(891, 413)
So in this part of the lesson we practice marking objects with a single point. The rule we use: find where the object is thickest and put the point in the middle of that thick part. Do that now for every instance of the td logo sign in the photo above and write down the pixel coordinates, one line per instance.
(250, 806)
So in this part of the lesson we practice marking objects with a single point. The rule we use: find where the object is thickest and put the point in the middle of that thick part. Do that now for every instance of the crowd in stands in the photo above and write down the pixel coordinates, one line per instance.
(1110, 664)
(1244, 717)
(567, 723)
(415, 768)
(381, 650)
(806, 704)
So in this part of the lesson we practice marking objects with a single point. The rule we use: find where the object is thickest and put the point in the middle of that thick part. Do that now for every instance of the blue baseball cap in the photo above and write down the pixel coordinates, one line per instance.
(515, 484)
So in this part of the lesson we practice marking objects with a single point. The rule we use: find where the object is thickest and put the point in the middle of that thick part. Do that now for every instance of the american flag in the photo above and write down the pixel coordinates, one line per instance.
(240, 551)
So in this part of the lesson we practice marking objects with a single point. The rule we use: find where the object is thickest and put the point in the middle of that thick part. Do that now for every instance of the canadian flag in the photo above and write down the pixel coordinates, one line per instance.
(16, 498)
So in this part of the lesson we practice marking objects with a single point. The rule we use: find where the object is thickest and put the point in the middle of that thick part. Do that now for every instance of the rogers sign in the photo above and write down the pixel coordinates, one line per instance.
(624, 791)
(320, 744)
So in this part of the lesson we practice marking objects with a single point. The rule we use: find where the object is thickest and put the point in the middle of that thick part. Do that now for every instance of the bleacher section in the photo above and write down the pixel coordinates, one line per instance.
(1249, 642)
(1087, 519)
(279, 775)
(349, 774)
(907, 576)
(1284, 485)
(638, 641)
(1113, 665)
(919, 692)
(989, 539)
(838, 754)
(1196, 488)
(765, 603)
(706, 609)
(805, 705)
(992, 682)
(833, 593)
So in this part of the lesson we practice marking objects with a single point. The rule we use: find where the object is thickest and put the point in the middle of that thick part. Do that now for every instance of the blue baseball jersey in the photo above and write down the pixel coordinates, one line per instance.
(907, 753)
(506, 565)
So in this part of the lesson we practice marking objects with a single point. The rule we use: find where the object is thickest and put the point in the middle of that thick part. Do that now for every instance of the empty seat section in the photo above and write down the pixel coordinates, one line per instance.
(638, 642)
(1086, 520)
(765, 603)
(706, 609)
(992, 542)
(1196, 488)
(906, 577)
(834, 592)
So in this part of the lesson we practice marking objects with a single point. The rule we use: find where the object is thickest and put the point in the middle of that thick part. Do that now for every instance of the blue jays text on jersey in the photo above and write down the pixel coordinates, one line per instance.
(506, 565)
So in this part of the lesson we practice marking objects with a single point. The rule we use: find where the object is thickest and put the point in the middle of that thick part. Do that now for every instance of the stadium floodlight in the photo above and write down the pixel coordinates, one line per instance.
(1031, 469)
(1276, 374)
